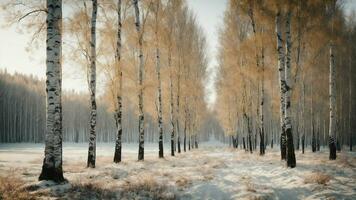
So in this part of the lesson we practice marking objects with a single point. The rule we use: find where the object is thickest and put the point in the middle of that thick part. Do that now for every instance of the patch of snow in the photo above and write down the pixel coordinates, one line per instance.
(213, 171)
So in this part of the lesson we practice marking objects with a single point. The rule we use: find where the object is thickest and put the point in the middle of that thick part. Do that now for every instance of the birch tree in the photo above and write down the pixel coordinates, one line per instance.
(141, 127)
(332, 93)
(290, 156)
(52, 162)
(159, 87)
(260, 67)
(118, 112)
(92, 88)
(170, 25)
(282, 83)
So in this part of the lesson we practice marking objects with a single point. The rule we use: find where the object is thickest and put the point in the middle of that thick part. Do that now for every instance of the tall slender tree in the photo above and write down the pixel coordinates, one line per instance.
(92, 88)
(282, 83)
(159, 87)
(118, 112)
(290, 155)
(141, 127)
(52, 162)
(332, 91)
(170, 24)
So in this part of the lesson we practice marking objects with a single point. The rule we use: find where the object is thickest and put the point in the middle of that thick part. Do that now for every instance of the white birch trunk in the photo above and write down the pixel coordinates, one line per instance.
(290, 155)
(118, 114)
(159, 87)
(52, 163)
(159, 106)
(177, 110)
(332, 96)
(282, 82)
(171, 108)
(141, 127)
(332, 106)
(262, 132)
(92, 88)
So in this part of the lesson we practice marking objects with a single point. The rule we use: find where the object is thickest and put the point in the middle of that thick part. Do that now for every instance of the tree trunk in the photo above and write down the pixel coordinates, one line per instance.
(303, 113)
(332, 97)
(118, 117)
(92, 89)
(291, 162)
(261, 127)
(282, 83)
(313, 138)
(141, 127)
(244, 143)
(332, 100)
(171, 108)
(159, 91)
(185, 130)
(52, 162)
(350, 100)
(189, 142)
(177, 110)
(159, 87)
(303, 143)
(262, 132)
(249, 132)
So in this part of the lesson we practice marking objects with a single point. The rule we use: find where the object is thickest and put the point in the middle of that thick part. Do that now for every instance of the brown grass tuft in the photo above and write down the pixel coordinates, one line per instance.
(182, 182)
(11, 187)
(317, 177)
(88, 191)
(344, 161)
(146, 188)
(250, 187)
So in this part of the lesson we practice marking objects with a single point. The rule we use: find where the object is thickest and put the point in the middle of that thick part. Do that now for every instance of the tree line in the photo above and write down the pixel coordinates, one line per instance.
(152, 54)
(23, 116)
(287, 75)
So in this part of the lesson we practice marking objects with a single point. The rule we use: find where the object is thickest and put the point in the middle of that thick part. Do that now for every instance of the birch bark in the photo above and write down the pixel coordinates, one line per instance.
(52, 162)
(332, 106)
(118, 114)
(282, 83)
(290, 155)
(332, 95)
(171, 108)
(141, 127)
(159, 87)
(92, 88)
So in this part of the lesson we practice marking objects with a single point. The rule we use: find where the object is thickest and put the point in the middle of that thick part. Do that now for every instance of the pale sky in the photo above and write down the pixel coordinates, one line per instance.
(14, 57)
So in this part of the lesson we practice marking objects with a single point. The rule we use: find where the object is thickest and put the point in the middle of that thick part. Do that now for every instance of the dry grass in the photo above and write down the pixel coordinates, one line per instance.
(250, 187)
(183, 182)
(11, 187)
(317, 177)
(218, 164)
(146, 188)
(208, 177)
(74, 167)
(88, 190)
(343, 161)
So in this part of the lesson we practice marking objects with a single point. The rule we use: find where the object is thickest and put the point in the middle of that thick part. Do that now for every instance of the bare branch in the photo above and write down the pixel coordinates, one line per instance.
(32, 12)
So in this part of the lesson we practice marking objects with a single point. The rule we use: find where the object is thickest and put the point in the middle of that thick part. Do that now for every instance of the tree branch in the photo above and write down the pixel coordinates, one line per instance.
(31, 12)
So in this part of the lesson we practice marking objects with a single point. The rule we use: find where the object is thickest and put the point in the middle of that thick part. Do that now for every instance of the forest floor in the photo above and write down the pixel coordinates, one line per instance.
(213, 171)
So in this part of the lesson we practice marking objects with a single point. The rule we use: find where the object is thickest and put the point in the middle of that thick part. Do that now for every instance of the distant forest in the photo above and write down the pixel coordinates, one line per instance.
(23, 114)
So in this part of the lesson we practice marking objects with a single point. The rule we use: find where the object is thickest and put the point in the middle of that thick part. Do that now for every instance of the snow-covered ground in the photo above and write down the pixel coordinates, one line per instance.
(213, 171)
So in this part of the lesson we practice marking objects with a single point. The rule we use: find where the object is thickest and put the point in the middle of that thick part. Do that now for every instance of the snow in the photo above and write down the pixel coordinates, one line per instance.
(213, 171)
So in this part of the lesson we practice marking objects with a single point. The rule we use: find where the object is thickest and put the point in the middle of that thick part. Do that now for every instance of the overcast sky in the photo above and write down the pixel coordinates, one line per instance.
(14, 57)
